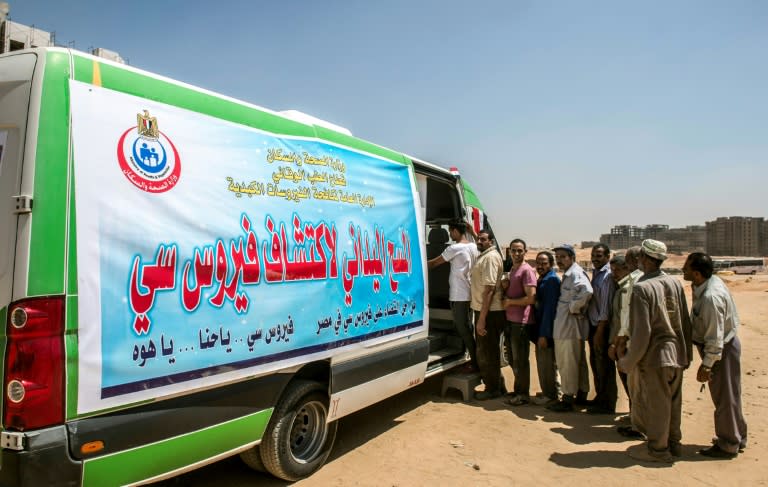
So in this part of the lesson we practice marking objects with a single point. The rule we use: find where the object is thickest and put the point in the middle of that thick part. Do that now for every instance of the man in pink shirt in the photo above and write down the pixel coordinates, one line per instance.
(520, 296)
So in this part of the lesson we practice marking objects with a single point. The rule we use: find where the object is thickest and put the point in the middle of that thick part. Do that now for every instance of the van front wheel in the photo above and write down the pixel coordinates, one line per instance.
(298, 439)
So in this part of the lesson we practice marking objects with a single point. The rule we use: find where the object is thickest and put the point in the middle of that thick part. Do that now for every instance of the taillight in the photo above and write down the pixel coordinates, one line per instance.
(34, 364)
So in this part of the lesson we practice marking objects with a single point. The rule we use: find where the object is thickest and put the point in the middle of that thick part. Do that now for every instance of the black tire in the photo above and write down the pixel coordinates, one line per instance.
(298, 440)
(252, 458)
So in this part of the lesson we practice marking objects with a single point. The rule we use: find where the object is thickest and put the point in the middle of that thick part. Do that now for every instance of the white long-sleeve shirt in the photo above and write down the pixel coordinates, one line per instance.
(714, 318)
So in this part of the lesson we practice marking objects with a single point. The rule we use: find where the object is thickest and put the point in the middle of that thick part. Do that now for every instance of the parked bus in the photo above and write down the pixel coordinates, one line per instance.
(740, 266)
(186, 277)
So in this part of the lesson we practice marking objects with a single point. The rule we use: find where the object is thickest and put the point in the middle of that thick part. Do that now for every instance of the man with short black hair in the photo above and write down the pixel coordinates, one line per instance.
(659, 350)
(632, 258)
(547, 295)
(715, 333)
(599, 312)
(462, 256)
(621, 272)
(489, 313)
(520, 294)
(571, 329)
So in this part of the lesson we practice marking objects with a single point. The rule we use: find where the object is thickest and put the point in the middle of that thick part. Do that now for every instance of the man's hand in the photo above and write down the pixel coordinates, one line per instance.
(703, 374)
(542, 343)
(599, 338)
(620, 367)
(480, 327)
(621, 346)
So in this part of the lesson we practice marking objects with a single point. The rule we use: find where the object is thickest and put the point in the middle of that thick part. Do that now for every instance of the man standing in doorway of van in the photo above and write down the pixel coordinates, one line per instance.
(462, 256)
(520, 294)
(658, 353)
(489, 314)
(571, 329)
(715, 333)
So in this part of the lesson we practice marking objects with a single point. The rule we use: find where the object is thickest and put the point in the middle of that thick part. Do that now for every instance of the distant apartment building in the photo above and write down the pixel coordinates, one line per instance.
(689, 239)
(623, 236)
(15, 36)
(692, 238)
(738, 236)
(656, 231)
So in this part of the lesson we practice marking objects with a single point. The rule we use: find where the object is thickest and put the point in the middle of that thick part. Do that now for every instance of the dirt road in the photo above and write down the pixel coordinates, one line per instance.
(419, 438)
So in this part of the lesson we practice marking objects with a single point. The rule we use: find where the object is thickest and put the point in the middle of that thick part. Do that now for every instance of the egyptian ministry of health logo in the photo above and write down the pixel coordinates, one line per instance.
(147, 157)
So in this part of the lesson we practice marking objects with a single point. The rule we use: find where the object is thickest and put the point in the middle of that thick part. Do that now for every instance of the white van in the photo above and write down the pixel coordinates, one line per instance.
(185, 276)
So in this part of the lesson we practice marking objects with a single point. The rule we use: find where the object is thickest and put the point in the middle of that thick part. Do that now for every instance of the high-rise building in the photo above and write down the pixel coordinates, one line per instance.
(737, 236)
(692, 238)
(689, 239)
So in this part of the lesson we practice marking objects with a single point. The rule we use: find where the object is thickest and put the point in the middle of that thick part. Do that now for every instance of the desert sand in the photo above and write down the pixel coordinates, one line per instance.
(420, 438)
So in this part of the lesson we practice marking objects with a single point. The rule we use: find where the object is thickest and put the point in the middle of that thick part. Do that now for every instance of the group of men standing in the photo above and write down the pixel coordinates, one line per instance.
(631, 315)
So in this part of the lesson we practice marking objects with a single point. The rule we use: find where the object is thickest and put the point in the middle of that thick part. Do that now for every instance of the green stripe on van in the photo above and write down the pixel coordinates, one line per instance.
(166, 456)
(47, 245)
(72, 242)
(137, 84)
(362, 145)
(70, 344)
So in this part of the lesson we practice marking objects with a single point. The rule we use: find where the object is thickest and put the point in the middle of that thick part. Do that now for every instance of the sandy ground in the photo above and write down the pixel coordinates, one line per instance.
(419, 438)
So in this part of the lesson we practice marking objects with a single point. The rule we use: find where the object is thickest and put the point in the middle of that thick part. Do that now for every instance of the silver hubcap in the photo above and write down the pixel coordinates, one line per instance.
(308, 432)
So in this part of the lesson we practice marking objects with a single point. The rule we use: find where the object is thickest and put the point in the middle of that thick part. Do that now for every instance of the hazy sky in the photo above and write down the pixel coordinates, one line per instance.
(567, 117)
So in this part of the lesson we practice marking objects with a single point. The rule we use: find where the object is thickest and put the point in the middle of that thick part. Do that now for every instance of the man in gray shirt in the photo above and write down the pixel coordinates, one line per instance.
(571, 328)
(715, 328)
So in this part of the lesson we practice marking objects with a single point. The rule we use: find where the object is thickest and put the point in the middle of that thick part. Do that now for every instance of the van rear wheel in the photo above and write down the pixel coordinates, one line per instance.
(298, 438)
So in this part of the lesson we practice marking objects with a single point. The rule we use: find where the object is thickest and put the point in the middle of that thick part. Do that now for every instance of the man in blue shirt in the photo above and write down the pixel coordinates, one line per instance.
(547, 295)
(599, 312)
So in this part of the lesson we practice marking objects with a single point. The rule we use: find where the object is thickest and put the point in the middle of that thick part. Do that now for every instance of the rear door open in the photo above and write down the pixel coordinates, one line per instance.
(16, 72)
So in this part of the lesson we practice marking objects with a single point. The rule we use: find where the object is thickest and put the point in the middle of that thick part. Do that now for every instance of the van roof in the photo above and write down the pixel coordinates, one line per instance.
(320, 126)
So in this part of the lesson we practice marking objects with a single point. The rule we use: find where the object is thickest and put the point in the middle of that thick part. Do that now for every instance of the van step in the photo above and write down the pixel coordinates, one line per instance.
(437, 340)
(444, 353)
(440, 324)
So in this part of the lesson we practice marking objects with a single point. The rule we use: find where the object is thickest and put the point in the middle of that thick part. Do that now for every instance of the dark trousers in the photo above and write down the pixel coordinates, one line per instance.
(725, 389)
(603, 371)
(462, 322)
(547, 369)
(488, 352)
(518, 348)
